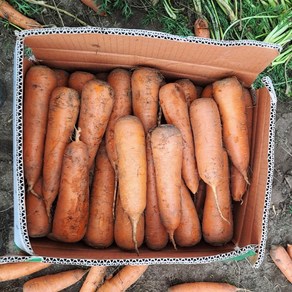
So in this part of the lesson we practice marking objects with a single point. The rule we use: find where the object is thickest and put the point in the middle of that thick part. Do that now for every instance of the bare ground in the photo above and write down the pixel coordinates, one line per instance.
(156, 278)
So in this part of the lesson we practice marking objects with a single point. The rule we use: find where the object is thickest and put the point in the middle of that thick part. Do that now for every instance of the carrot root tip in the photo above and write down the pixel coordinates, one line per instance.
(171, 237)
(217, 205)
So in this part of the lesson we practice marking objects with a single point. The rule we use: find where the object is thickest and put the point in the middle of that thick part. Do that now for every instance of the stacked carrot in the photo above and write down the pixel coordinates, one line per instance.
(145, 174)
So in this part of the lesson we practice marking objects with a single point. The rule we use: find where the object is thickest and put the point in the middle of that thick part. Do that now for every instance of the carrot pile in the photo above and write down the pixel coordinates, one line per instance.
(133, 159)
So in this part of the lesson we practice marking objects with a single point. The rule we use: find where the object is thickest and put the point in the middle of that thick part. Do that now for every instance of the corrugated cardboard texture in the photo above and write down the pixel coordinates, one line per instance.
(201, 62)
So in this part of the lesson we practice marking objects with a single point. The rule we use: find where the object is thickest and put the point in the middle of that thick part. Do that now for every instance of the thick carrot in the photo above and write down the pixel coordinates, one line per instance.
(72, 210)
(12, 15)
(188, 232)
(97, 101)
(37, 220)
(78, 79)
(167, 147)
(123, 231)
(207, 91)
(206, 125)
(94, 279)
(145, 88)
(63, 113)
(175, 110)
(289, 250)
(62, 77)
(282, 260)
(132, 167)
(156, 236)
(217, 223)
(204, 287)
(55, 282)
(201, 28)
(120, 81)
(126, 277)
(238, 183)
(200, 198)
(100, 229)
(228, 95)
(17, 270)
(38, 86)
(189, 89)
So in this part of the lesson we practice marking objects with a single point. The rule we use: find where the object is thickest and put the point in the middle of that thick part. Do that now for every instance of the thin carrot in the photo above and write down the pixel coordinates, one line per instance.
(72, 210)
(78, 79)
(175, 110)
(204, 287)
(132, 167)
(93, 279)
(63, 113)
(55, 282)
(228, 96)
(126, 277)
(189, 89)
(9, 13)
(201, 28)
(97, 101)
(166, 145)
(13, 271)
(38, 86)
(62, 77)
(100, 229)
(282, 260)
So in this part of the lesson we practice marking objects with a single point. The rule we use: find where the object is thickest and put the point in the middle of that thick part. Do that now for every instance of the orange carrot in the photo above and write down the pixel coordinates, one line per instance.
(228, 95)
(156, 236)
(37, 220)
(123, 230)
(120, 81)
(188, 232)
(282, 260)
(92, 4)
(175, 110)
(145, 87)
(204, 287)
(166, 144)
(126, 277)
(132, 168)
(63, 113)
(96, 106)
(207, 91)
(100, 229)
(17, 270)
(94, 279)
(289, 250)
(62, 77)
(38, 86)
(78, 79)
(55, 282)
(71, 214)
(9, 13)
(201, 28)
(217, 223)
(189, 89)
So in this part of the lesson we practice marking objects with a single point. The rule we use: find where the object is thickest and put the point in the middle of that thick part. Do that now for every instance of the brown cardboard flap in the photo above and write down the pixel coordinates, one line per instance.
(191, 59)
(249, 216)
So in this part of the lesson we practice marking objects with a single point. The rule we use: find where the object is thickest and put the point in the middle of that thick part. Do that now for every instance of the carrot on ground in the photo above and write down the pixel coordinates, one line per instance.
(189, 89)
(9, 13)
(93, 279)
(100, 229)
(63, 113)
(55, 282)
(188, 232)
(126, 277)
(282, 260)
(201, 28)
(228, 95)
(13, 271)
(37, 220)
(132, 168)
(72, 210)
(97, 101)
(78, 79)
(156, 236)
(204, 287)
(62, 77)
(167, 148)
(38, 85)
(175, 110)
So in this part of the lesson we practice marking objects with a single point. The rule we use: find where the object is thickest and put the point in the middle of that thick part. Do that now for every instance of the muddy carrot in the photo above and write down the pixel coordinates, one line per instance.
(189, 89)
(93, 279)
(78, 79)
(62, 77)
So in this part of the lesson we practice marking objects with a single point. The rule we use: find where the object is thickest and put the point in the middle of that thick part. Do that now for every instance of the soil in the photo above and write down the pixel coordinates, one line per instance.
(159, 277)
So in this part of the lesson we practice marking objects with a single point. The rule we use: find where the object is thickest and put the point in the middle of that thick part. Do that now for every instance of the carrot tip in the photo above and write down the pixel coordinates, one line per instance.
(172, 240)
(30, 189)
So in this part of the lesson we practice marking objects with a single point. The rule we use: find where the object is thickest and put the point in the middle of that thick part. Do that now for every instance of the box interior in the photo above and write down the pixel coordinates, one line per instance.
(202, 63)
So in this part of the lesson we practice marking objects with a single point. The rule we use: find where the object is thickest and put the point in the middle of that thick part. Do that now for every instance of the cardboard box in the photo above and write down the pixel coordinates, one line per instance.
(201, 60)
